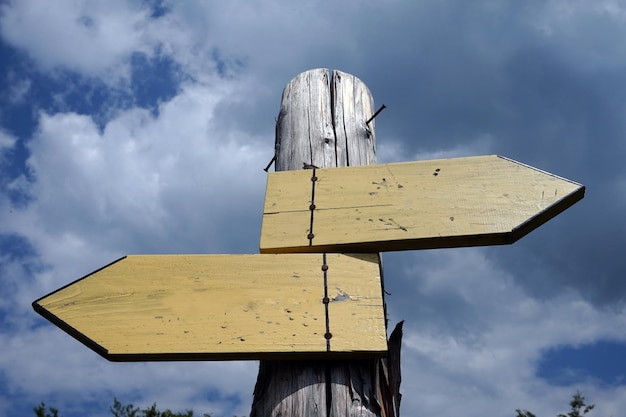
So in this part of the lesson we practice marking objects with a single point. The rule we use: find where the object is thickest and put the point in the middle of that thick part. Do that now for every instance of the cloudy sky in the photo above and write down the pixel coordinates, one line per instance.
(131, 126)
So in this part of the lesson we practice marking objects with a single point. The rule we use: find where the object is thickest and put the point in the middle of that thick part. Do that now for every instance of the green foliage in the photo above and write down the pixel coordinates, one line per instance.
(40, 411)
(120, 410)
(577, 404)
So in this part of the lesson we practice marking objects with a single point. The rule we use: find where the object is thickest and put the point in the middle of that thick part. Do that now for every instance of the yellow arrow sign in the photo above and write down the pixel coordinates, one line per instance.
(475, 201)
(215, 307)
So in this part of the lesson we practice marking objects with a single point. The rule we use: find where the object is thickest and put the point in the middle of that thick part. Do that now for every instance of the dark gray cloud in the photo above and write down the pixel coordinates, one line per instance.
(551, 97)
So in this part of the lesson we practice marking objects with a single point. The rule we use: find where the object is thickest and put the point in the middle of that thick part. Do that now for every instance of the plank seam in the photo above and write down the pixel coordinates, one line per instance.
(328, 335)
(311, 235)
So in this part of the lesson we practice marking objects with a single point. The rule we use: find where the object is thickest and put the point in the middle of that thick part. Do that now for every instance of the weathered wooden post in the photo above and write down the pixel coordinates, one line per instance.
(322, 124)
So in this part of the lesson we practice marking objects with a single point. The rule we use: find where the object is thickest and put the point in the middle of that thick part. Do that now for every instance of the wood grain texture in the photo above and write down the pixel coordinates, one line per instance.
(352, 387)
(352, 106)
(322, 122)
(215, 307)
(474, 201)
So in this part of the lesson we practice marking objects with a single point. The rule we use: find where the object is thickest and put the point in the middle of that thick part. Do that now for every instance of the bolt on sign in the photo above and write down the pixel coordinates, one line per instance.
(218, 307)
(474, 201)
(297, 305)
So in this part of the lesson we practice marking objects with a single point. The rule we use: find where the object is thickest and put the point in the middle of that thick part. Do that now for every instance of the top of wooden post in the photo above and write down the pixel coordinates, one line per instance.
(322, 122)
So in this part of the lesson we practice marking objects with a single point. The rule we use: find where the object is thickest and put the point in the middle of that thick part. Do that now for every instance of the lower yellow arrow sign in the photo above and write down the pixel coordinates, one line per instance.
(215, 307)
(486, 200)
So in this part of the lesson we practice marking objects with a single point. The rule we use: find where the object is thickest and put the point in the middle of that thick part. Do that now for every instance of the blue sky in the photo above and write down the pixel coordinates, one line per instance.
(133, 127)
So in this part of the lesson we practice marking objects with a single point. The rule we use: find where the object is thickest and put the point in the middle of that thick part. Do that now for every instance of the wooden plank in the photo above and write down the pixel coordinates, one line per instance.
(474, 201)
(215, 307)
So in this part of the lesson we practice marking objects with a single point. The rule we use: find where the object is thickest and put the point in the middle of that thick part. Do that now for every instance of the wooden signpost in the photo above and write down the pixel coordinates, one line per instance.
(324, 308)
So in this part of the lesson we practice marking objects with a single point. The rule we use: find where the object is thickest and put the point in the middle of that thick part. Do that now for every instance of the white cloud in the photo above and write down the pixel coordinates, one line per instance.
(94, 38)
(176, 182)
(392, 150)
(97, 38)
(7, 141)
(19, 88)
(60, 363)
(485, 361)
(141, 182)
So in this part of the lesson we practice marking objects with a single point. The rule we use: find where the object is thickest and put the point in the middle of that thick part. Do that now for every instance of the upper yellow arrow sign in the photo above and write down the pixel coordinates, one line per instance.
(475, 201)
(213, 307)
